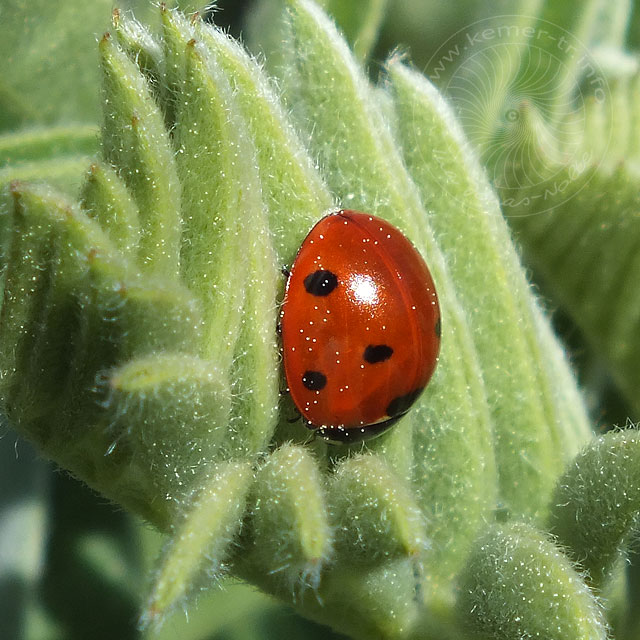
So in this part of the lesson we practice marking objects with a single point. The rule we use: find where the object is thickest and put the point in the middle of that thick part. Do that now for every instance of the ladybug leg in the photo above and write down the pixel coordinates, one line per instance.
(298, 416)
(312, 437)
(286, 273)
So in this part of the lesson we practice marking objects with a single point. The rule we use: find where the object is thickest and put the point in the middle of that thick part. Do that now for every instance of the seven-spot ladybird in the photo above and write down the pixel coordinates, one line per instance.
(360, 327)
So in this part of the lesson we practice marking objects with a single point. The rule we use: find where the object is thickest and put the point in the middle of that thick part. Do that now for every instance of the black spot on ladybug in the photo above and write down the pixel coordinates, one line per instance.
(438, 328)
(321, 282)
(401, 404)
(314, 380)
(377, 353)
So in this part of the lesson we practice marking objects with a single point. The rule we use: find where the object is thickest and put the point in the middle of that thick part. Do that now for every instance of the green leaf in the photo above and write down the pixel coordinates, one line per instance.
(518, 584)
(211, 168)
(582, 242)
(365, 169)
(140, 45)
(529, 412)
(224, 217)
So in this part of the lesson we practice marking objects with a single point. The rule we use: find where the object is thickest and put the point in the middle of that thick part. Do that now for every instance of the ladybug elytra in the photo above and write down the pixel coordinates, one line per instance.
(360, 327)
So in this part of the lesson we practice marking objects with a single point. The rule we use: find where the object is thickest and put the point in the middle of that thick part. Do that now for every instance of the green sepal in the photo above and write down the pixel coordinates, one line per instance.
(105, 197)
(177, 31)
(135, 140)
(28, 243)
(52, 251)
(255, 372)
(289, 538)
(518, 584)
(174, 408)
(225, 218)
(200, 540)
(597, 501)
(360, 20)
(374, 513)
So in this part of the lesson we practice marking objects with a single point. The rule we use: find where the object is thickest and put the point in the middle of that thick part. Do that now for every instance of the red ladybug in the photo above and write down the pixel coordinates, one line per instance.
(360, 327)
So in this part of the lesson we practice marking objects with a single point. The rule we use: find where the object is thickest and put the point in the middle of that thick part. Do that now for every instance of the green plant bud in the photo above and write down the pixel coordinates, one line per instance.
(135, 140)
(288, 539)
(29, 252)
(473, 230)
(171, 408)
(123, 318)
(375, 515)
(196, 552)
(105, 197)
(518, 584)
(597, 501)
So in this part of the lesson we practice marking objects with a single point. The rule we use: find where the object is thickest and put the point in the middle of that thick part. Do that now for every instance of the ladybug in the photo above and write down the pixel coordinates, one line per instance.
(360, 325)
